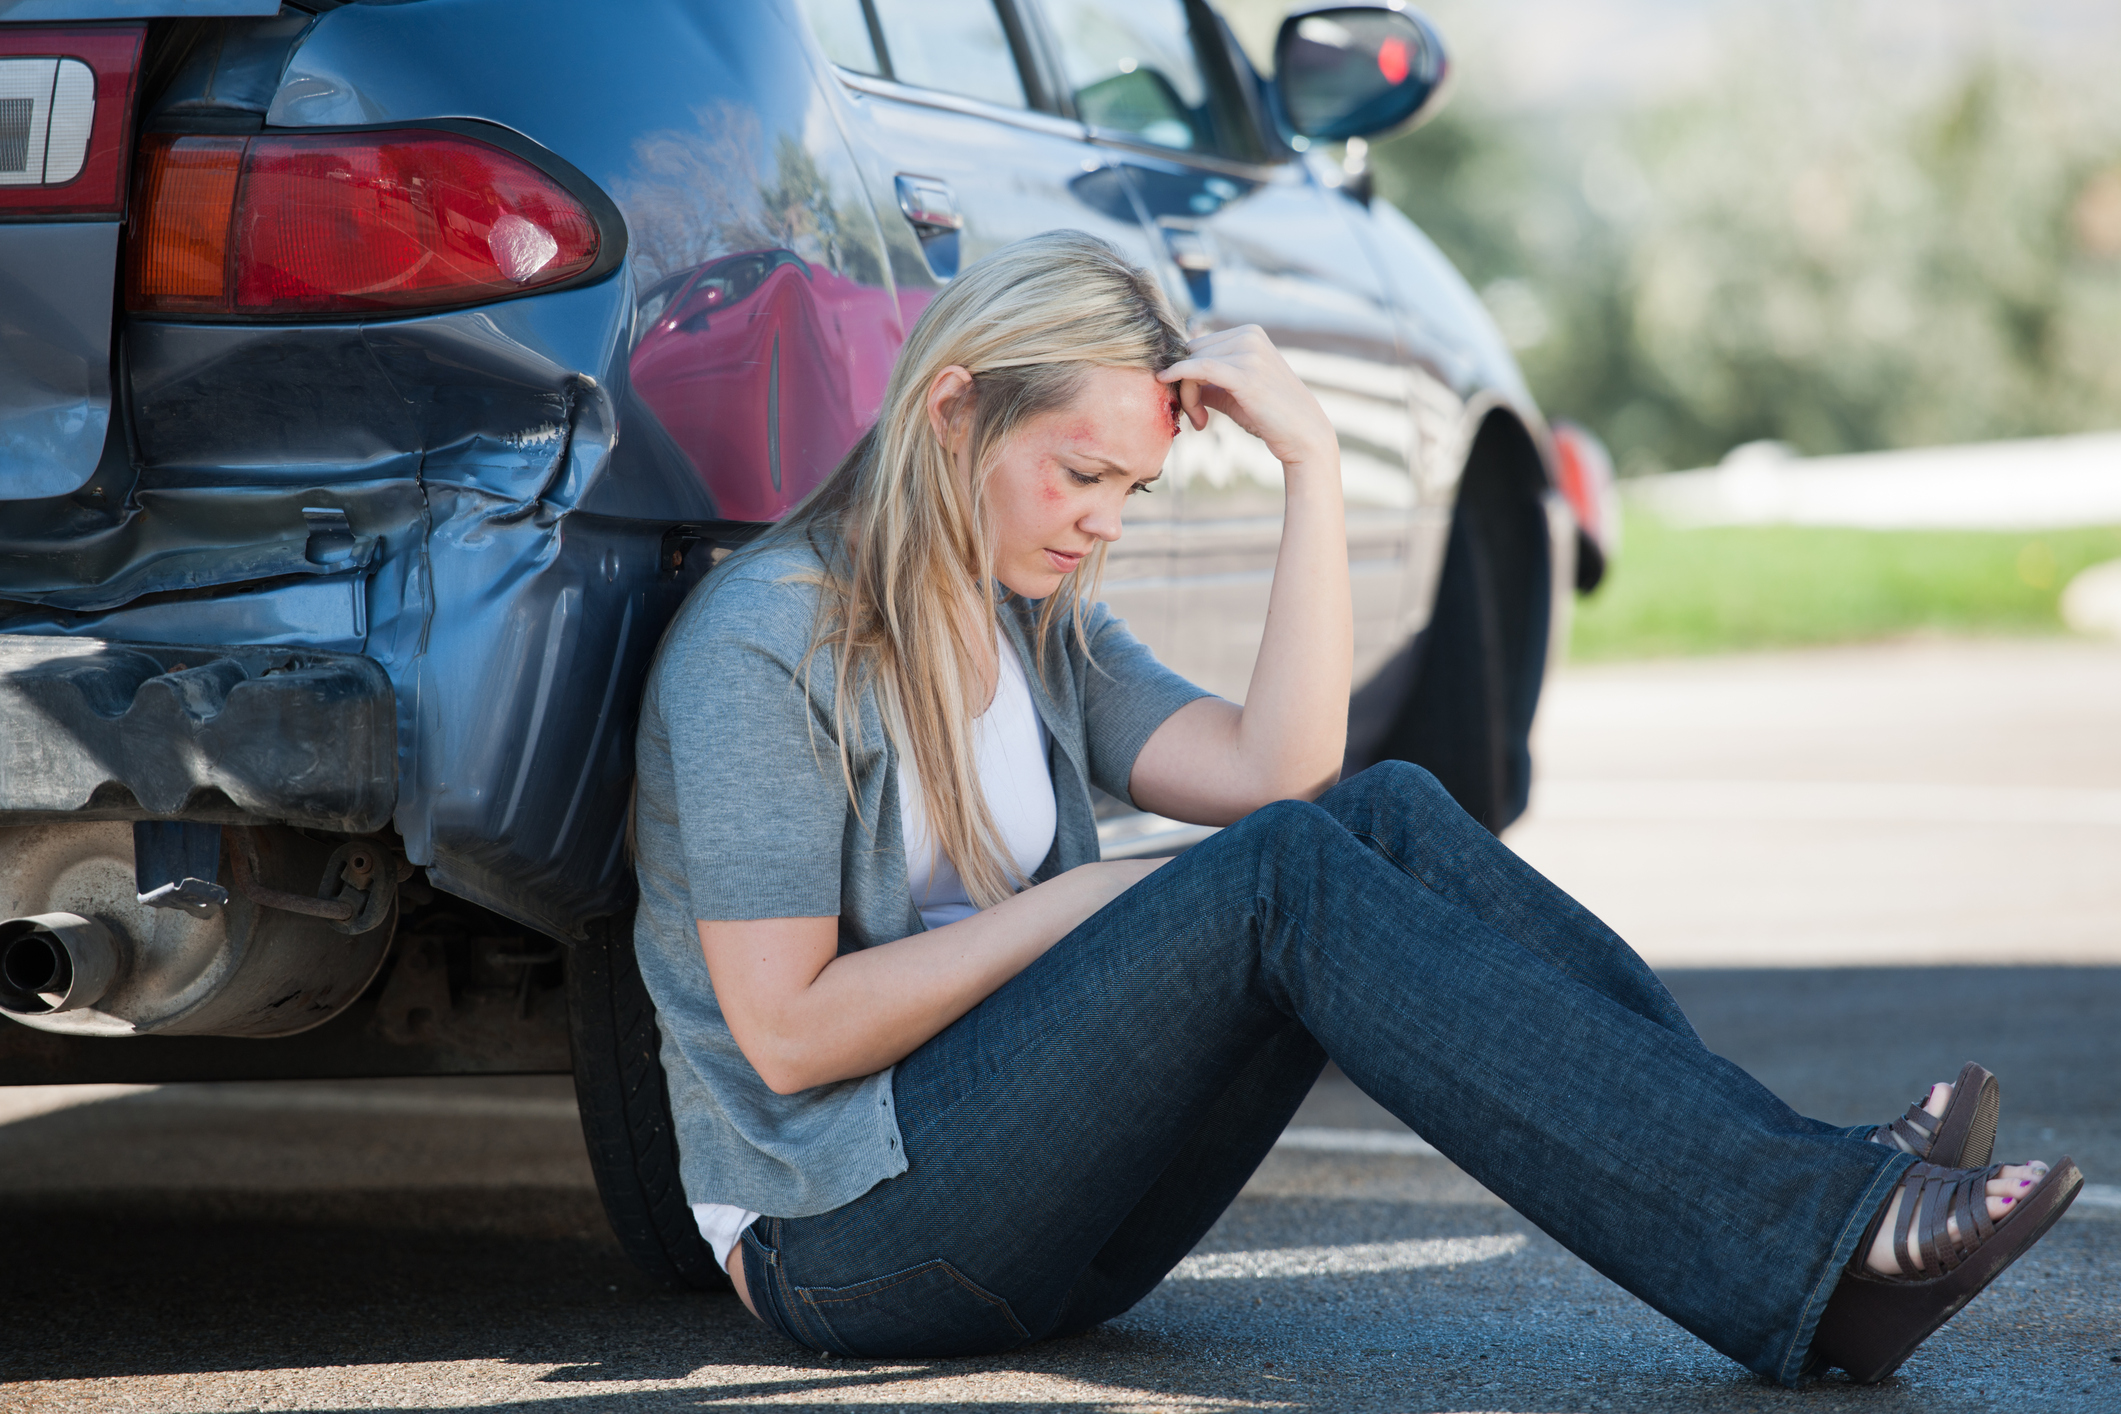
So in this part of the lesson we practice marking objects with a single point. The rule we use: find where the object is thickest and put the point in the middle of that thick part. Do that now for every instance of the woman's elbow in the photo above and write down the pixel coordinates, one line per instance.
(782, 1082)
(780, 1062)
(790, 1069)
(787, 1076)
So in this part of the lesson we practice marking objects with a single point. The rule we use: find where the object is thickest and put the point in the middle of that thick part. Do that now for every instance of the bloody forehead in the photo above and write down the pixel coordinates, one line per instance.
(1088, 424)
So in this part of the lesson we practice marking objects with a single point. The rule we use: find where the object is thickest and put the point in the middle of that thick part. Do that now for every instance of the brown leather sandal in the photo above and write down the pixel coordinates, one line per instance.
(1963, 1137)
(1873, 1322)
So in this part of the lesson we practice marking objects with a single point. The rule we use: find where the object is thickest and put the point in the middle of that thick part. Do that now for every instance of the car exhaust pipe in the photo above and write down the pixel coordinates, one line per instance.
(52, 962)
(174, 928)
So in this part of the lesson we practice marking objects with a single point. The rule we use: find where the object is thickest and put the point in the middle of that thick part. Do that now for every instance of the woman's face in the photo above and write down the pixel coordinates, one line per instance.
(1058, 484)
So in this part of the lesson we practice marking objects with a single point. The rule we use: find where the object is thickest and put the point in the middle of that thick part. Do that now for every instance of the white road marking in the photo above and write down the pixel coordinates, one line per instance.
(1318, 1140)
(381, 1102)
(20, 1102)
(2097, 1200)
(23, 1102)
(1353, 1260)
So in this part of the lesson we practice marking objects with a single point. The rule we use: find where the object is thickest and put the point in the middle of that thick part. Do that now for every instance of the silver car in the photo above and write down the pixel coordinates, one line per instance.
(377, 379)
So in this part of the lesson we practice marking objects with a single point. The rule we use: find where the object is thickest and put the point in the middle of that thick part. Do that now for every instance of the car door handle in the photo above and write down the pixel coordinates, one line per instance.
(1188, 251)
(929, 204)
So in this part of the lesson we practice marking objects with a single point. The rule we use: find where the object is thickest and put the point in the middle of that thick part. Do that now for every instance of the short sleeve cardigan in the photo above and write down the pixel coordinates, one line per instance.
(742, 812)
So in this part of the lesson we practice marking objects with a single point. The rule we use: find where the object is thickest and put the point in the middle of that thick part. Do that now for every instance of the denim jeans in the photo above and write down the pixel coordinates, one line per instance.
(1072, 1137)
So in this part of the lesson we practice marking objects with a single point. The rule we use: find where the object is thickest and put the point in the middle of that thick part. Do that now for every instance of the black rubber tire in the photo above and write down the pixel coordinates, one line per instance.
(625, 1105)
(1481, 661)
(1590, 563)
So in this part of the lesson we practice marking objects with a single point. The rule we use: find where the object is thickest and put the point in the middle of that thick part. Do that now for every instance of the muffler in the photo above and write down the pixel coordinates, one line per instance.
(124, 930)
(54, 962)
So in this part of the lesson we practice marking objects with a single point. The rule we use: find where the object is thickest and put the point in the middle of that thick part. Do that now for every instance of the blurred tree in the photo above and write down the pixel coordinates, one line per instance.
(1796, 252)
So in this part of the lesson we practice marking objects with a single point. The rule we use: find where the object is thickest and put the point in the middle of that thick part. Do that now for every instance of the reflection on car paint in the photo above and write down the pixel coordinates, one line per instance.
(764, 370)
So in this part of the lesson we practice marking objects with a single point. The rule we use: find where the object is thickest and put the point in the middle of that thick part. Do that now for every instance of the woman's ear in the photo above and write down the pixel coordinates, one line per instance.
(950, 399)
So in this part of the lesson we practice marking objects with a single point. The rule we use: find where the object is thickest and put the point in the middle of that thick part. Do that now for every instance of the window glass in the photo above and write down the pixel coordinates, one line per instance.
(958, 46)
(1132, 68)
(843, 33)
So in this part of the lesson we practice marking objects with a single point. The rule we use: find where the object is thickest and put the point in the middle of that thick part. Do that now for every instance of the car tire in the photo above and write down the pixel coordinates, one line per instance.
(1482, 658)
(625, 1106)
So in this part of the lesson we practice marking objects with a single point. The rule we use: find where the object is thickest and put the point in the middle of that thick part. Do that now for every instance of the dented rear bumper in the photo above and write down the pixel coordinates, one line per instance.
(93, 730)
(439, 505)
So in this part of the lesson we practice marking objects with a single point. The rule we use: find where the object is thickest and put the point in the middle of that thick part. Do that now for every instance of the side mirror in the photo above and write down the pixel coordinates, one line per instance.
(1357, 70)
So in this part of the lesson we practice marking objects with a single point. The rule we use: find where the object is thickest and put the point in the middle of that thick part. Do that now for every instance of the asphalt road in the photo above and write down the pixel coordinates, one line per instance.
(436, 1244)
(1919, 803)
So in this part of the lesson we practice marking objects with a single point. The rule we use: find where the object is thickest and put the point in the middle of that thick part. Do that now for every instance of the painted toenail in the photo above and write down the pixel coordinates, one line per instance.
(2025, 1183)
(2010, 1200)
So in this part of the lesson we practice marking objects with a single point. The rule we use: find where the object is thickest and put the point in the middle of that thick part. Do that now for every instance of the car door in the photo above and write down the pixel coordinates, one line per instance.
(948, 103)
(1251, 237)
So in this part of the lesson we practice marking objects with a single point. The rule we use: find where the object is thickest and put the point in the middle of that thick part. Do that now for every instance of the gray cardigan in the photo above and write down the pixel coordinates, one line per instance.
(742, 813)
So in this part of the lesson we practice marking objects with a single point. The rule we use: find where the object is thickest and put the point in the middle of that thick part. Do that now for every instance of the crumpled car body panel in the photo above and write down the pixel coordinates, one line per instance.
(506, 572)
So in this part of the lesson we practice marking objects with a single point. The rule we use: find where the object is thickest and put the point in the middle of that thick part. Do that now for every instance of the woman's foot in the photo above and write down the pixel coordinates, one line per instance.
(1958, 1233)
(1940, 1098)
(2010, 1183)
(1954, 1125)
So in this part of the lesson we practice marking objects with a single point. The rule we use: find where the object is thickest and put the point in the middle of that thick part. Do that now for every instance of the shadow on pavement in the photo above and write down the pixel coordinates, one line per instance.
(175, 1255)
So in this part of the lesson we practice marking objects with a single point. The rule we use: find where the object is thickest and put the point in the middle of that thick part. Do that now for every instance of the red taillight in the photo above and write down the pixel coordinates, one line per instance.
(66, 97)
(346, 223)
(1586, 477)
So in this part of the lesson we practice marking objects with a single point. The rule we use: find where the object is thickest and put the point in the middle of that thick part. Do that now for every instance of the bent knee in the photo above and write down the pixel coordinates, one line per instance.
(1289, 822)
(1397, 780)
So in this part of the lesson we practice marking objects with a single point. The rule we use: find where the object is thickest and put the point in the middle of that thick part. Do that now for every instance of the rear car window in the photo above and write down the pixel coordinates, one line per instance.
(1132, 68)
(842, 30)
(958, 46)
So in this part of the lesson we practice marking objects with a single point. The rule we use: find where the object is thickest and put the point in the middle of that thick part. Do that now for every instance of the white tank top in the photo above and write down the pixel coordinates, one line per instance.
(1009, 741)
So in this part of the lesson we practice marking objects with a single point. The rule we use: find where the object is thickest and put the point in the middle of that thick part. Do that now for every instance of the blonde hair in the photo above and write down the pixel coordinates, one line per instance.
(905, 544)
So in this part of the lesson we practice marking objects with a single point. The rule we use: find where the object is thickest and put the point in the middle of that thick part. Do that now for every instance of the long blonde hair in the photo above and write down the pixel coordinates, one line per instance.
(905, 544)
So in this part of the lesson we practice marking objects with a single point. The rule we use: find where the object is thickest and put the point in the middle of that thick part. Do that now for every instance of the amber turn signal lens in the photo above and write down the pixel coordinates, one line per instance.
(180, 219)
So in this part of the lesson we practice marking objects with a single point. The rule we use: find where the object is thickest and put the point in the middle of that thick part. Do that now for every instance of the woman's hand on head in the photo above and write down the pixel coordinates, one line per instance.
(1240, 374)
(1212, 761)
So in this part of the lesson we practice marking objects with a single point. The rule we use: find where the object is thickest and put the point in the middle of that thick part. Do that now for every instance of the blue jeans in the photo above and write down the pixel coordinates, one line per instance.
(1072, 1137)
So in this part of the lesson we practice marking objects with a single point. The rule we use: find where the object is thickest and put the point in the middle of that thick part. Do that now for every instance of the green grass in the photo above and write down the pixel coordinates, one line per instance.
(1730, 588)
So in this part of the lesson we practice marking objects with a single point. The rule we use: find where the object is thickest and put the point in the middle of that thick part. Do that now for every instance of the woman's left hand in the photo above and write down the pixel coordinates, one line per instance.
(1239, 373)
(1212, 762)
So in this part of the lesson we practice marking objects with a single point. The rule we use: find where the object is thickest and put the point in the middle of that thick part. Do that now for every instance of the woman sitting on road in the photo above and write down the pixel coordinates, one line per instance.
(987, 1089)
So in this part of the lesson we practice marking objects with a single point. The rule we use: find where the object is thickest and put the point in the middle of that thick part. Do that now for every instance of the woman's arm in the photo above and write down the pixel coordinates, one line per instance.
(1211, 762)
(804, 1016)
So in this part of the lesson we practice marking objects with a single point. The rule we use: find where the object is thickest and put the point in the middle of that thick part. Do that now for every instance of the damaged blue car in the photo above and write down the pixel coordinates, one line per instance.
(376, 379)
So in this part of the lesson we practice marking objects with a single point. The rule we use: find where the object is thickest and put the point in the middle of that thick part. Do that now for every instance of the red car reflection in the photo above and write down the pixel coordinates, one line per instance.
(764, 369)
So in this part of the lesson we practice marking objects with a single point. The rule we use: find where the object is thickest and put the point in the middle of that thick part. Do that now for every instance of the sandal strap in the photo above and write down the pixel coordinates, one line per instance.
(1913, 1184)
(1930, 1199)
(1914, 1132)
(1970, 1206)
